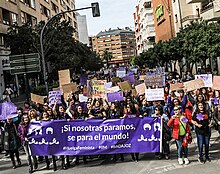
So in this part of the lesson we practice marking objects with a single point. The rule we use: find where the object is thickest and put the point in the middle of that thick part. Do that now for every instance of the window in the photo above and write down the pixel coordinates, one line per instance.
(176, 18)
(23, 21)
(14, 18)
(32, 4)
(44, 11)
(6, 17)
(1, 40)
(55, 8)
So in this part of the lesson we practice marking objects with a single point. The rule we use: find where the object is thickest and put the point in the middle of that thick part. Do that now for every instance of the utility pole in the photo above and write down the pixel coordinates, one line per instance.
(95, 12)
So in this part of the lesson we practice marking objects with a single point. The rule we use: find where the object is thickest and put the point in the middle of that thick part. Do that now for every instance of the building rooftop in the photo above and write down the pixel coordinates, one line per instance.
(114, 32)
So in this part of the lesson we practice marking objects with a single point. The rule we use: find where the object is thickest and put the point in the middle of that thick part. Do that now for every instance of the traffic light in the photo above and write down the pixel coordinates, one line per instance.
(95, 9)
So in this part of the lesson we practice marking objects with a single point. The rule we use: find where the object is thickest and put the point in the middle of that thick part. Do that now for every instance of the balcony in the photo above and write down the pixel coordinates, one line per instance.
(190, 18)
(210, 13)
(193, 1)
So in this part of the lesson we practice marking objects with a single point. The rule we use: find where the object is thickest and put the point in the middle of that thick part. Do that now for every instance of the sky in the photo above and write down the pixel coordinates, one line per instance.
(114, 13)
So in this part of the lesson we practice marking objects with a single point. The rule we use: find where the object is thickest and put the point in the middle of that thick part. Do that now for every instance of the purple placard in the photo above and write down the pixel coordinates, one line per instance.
(83, 79)
(94, 136)
(115, 96)
(8, 110)
(53, 95)
(130, 78)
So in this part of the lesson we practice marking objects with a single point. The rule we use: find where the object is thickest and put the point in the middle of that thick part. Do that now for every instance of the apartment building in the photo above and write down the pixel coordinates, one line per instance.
(163, 19)
(120, 42)
(144, 26)
(27, 11)
(82, 29)
(209, 9)
(184, 13)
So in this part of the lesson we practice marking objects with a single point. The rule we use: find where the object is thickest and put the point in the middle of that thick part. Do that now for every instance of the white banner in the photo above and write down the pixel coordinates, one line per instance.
(154, 94)
(120, 73)
(207, 79)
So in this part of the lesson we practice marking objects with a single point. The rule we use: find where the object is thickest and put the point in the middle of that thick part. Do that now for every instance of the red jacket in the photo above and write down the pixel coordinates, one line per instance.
(174, 123)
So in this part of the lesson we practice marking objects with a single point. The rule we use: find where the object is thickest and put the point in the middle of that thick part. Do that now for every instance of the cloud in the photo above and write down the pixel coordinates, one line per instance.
(114, 13)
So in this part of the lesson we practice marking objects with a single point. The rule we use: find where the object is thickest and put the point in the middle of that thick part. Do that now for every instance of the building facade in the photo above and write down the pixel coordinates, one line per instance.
(82, 29)
(120, 42)
(184, 13)
(27, 11)
(163, 19)
(144, 26)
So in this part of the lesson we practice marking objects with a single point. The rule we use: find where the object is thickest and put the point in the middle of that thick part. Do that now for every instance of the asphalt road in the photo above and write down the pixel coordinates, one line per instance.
(148, 164)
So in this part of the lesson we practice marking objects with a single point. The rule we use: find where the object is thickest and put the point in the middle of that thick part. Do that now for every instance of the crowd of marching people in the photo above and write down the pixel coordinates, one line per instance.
(183, 113)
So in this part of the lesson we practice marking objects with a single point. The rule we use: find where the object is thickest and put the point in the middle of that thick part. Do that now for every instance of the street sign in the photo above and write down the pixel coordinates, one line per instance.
(25, 63)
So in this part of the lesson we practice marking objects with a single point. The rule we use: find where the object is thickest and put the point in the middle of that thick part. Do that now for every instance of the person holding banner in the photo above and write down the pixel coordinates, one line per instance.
(202, 121)
(131, 112)
(61, 114)
(45, 117)
(22, 132)
(11, 141)
(180, 128)
(166, 134)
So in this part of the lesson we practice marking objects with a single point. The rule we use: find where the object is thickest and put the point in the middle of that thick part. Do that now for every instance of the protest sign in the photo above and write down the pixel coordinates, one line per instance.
(115, 79)
(115, 96)
(130, 78)
(96, 88)
(216, 83)
(140, 88)
(68, 88)
(176, 86)
(94, 137)
(64, 77)
(53, 95)
(120, 73)
(154, 94)
(142, 77)
(207, 79)
(8, 110)
(112, 89)
(125, 86)
(55, 89)
(82, 98)
(108, 85)
(83, 79)
(153, 80)
(37, 98)
(194, 84)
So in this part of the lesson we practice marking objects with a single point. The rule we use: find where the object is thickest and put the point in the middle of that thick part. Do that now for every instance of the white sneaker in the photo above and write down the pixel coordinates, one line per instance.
(186, 160)
(180, 161)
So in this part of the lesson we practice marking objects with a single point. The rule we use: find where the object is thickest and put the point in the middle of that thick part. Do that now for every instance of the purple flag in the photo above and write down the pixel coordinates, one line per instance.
(8, 110)
(53, 95)
(129, 78)
(115, 96)
(94, 136)
(83, 79)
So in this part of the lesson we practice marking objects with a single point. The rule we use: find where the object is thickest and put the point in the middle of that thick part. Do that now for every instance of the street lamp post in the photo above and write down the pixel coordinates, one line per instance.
(96, 13)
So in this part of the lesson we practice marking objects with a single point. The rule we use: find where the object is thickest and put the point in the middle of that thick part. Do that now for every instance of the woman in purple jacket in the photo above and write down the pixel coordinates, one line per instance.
(22, 132)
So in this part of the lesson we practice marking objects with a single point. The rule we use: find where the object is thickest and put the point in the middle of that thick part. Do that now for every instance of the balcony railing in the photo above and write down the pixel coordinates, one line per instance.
(207, 7)
(190, 17)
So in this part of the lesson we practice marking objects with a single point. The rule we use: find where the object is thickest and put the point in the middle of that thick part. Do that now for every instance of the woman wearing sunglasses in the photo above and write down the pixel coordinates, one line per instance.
(180, 128)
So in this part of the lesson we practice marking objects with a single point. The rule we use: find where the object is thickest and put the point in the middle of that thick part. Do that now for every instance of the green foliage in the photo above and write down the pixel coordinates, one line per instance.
(196, 43)
(61, 50)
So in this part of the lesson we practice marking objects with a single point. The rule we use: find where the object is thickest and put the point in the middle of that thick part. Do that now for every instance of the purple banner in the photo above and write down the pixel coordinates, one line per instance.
(83, 79)
(53, 95)
(94, 136)
(115, 96)
(8, 110)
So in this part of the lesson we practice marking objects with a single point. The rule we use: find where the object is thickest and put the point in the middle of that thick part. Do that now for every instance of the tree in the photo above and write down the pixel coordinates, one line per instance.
(61, 49)
(195, 43)
(107, 57)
